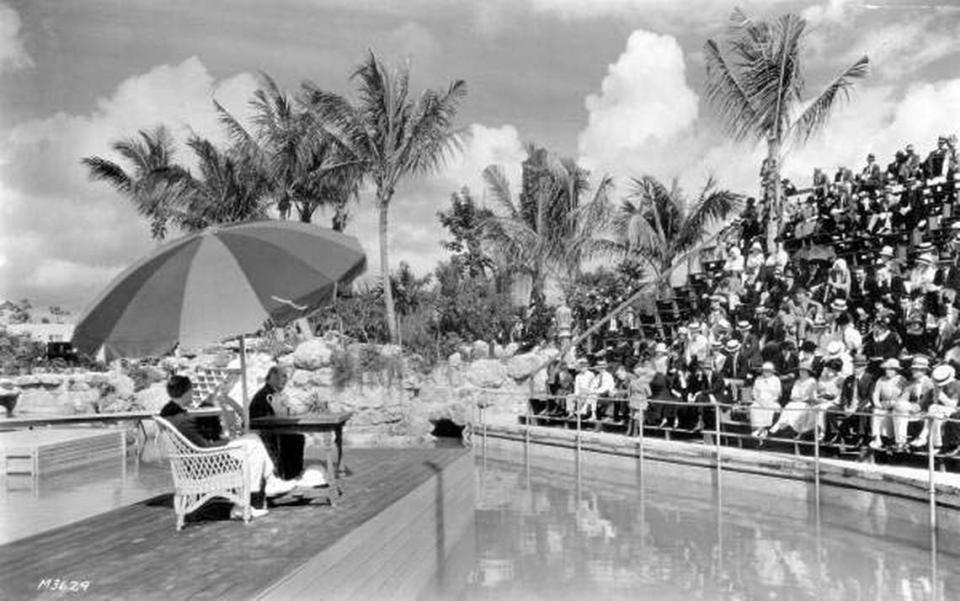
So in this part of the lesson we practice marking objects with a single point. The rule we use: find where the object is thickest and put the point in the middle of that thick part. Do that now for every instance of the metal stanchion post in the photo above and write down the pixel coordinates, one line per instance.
(576, 405)
(526, 431)
(716, 437)
(934, 577)
(816, 454)
(483, 426)
(640, 429)
(930, 479)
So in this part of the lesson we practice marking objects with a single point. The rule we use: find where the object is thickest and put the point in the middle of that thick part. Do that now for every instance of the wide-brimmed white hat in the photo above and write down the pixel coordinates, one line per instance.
(943, 374)
(890, 364)
(767, 366)
(834, 349)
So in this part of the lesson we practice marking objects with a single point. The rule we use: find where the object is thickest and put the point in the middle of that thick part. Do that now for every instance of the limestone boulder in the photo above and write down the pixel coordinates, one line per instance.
(487, 373)
(391, 350)
(312, 355)
(521, 366)
(84, 402)
(37, 401)
(27, 381)
(480, 350)
(50, 380)
(510, 350)
(153, 397)
(122, 384)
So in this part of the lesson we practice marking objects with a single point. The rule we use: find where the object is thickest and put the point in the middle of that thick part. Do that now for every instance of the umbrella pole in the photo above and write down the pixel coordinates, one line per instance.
(243, 384)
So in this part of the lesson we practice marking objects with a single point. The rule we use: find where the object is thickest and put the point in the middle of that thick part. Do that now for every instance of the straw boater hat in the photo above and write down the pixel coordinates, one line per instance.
(660, 349)
(891, 364)
(744, 326)
(886, 251)
(767, 366)
(818, 321)
(943, 374)
(755, 247)
(920, 362)
(839, 305)
(925, 247)
(860, 360)
(732, 345)
(834, 349)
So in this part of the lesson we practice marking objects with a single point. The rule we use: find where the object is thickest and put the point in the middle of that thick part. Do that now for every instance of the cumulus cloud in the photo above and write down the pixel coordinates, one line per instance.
(13, 54)
(644, 120)
(901, 48)
(63, 235)
(644, 103)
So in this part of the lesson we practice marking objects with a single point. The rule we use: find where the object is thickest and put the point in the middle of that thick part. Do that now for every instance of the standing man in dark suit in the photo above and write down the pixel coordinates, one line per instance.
(286, 449)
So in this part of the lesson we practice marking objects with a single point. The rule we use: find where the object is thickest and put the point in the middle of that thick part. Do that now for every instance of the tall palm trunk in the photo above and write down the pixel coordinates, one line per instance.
(774, 216)
(383, 205)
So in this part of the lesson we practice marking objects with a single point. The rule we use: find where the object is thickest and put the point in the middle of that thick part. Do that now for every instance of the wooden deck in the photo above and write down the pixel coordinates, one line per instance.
(135, 553)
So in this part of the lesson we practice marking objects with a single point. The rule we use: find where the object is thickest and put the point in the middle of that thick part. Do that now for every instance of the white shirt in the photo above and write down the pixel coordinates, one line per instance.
(585, 383)
(605, 383)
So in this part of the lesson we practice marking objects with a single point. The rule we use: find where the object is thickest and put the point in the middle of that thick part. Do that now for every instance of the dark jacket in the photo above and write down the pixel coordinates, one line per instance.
(260, 403)
(189, 426)
(864, 391)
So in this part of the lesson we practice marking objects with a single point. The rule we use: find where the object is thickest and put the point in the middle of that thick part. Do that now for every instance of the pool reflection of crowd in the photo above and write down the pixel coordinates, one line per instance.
(608, 540)
(847, 328)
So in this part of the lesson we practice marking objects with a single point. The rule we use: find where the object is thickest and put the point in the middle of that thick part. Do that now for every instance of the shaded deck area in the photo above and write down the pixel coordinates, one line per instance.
(134, 551)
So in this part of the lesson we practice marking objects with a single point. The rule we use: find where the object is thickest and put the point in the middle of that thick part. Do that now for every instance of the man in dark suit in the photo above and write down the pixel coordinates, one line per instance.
(856, 396)
(286, 449)
(707, 389)
(263, 481)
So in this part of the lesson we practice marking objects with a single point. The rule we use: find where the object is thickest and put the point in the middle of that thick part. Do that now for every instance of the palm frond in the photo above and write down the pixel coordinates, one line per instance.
(728, 96)
(100, 169)
(711, 208)
(815, 116)
(499, 190)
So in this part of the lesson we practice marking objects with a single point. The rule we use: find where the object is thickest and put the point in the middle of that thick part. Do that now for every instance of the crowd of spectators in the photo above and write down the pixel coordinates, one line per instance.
(848, 327)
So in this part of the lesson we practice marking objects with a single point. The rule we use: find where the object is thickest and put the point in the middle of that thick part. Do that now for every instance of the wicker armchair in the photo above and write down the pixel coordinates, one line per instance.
(200, 474)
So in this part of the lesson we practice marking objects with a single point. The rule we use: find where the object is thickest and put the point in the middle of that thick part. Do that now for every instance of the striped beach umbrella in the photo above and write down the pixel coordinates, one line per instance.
(220, 283)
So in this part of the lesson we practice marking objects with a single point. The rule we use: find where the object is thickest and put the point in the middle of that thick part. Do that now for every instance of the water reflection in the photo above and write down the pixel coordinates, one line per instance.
(543, 532)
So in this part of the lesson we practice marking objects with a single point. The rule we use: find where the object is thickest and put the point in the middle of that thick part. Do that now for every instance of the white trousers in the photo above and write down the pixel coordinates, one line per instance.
(256, 457)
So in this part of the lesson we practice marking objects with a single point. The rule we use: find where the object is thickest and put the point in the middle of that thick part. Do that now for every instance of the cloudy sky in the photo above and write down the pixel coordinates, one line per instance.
(616, 83)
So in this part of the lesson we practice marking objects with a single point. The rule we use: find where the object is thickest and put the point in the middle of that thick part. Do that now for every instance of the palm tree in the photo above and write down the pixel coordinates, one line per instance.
(391, 134)
(227, 188)
(552, 229)
(307, 169)
(659, 228)
(758, 86)
(147, 183)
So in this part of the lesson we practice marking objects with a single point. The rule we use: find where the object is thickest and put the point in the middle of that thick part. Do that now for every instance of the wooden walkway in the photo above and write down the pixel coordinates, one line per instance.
(135, 553)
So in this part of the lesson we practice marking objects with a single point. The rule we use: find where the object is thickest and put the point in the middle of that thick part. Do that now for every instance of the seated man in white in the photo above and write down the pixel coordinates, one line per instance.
(263, 481)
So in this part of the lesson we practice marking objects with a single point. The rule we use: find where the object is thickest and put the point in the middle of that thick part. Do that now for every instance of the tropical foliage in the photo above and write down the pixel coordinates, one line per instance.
(551, 229)
(658, 227)
(391, 134)
(756, 83)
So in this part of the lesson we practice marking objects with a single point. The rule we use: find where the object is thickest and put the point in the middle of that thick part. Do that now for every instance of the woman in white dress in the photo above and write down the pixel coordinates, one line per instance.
(797, 414)
(766, 399)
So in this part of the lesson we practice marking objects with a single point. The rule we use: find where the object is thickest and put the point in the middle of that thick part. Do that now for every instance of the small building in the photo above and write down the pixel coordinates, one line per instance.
(44, 332)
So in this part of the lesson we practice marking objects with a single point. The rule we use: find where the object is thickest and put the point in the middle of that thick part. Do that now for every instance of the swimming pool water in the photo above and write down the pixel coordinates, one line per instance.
(546, 530)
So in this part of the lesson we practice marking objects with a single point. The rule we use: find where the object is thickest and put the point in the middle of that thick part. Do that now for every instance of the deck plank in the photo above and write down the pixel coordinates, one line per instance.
(135, 552)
